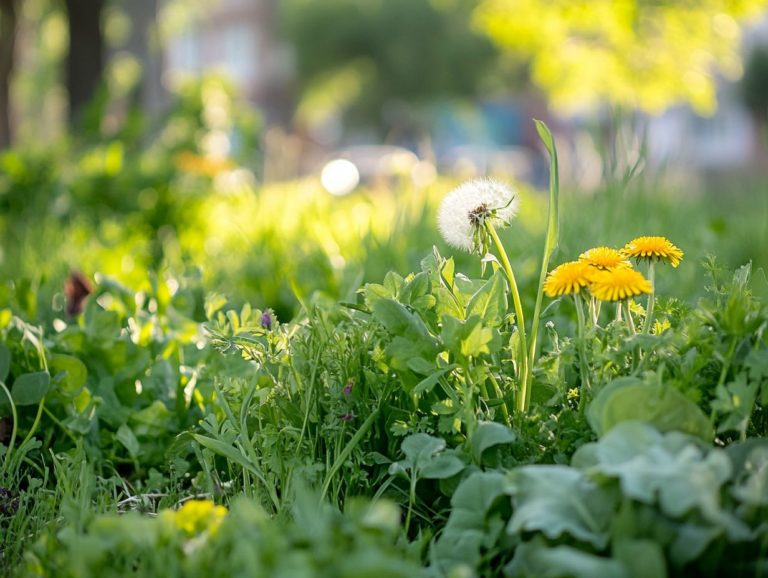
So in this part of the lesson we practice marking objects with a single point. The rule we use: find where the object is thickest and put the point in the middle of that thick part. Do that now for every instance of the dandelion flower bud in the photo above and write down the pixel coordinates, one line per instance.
(464, 210)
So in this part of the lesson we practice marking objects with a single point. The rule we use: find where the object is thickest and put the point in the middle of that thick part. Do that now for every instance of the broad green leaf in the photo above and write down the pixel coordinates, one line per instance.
(537, 558)
(490, 301)
(419, 448)
(752, 487)
(663, 406)
(471, 525)
(558, 500)
(489, 434)
(672, 470)
(642, 558)
(152, 420)
(5, 362)
(441, 466)
(399, 321)
(126, 437)
(69, 372)
(30, 388)
(416, 287)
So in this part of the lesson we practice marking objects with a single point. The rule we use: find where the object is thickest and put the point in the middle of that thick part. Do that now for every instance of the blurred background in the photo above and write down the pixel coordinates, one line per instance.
(287, 150)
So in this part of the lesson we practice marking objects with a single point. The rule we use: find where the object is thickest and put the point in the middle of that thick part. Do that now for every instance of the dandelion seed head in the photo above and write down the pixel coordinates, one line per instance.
(466, 208)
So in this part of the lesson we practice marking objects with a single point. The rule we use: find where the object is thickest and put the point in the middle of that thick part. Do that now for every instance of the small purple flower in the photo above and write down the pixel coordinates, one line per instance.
(266, 319)
(349, 416)
(348, 388)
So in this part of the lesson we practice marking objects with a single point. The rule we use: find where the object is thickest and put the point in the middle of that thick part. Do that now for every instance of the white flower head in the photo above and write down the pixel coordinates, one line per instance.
(465, 209)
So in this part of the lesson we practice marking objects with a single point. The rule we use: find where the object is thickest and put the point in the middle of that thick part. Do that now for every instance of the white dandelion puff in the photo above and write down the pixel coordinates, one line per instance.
(465, 209)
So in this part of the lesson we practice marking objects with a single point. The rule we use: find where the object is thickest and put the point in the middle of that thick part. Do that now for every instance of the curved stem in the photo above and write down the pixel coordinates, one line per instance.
(14, 428)
(524, 369)
(651, 298)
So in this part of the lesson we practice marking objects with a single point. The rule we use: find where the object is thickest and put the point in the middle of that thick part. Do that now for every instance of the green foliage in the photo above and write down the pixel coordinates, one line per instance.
(363, 55)
(586, 53)
(319, 541)
(636, 491)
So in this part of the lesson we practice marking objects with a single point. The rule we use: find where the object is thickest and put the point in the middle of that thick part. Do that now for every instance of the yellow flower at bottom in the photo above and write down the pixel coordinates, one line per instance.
(197, 516)
(604, 258)
(653, 249)
(618, 284)
(568, 278)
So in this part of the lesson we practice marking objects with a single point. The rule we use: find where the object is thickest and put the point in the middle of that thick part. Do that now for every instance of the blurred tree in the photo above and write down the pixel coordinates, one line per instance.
(363, 54)
(644, 54)
(755, 82)
(754, 89)
(144, 46)
(85, 60)
(8, 22)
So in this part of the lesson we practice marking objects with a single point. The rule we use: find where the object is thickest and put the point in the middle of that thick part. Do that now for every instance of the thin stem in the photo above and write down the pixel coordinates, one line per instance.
(618, 311)
(585, 385)
(13, 429)
(630, 321)
(524, 369)
(500, 395)
(651, 297)
(593, 310)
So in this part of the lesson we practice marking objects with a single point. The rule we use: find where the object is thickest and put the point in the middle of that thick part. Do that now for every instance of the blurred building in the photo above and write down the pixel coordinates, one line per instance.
(237, 38)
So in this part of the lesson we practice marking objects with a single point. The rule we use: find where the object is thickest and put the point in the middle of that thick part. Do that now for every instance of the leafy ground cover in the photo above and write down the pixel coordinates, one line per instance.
(500, 412)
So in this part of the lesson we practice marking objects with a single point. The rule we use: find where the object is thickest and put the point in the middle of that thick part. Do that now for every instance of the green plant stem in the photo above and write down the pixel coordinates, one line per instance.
(13, 429)
(618, 311)
(500, 395)
(651, 298)
(630, 321)
(524, 369)
(585, 385)
(34, 423)
(344, 454)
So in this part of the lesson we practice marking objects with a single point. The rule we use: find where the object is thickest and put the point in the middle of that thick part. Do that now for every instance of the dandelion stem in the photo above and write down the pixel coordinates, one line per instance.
(585, 385)
(651, 297)
(630, 321)
(523, 376)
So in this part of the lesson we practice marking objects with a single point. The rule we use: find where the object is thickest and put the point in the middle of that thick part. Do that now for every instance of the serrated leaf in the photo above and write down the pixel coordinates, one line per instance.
(490, 301)
(469, 338)
(30, 388)
(427, 384)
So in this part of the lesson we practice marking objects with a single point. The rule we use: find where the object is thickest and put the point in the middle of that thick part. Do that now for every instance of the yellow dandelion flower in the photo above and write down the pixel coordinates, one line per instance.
(604, 258)
(653, 249)
(618, 284)
(568, 278)
(197, 516)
